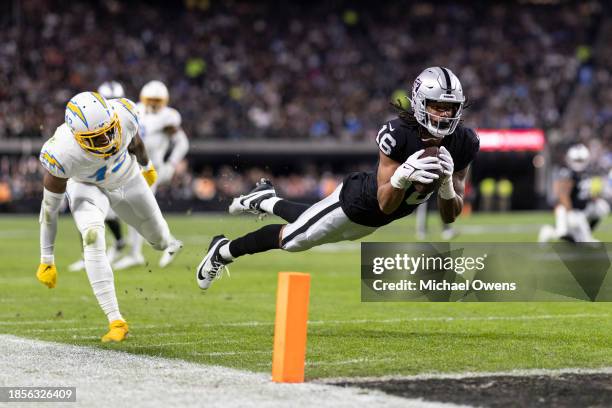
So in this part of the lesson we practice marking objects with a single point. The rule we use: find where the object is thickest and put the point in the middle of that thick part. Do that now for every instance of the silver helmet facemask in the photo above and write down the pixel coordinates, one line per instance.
(441, 85)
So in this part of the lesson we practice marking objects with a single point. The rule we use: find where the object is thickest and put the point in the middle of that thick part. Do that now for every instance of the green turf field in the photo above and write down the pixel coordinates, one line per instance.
(232, 323)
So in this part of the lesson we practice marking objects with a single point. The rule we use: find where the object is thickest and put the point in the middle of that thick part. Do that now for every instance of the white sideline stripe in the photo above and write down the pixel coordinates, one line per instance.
(231, 353)
(26, 322)
(418, 319)
(106, 378)
(331, 322)
(471, 374)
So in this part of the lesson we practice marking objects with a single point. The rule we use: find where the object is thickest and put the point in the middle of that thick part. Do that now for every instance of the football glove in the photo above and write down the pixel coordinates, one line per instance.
(47, 275)
(446, 189)
(415, 169)
(149, 173)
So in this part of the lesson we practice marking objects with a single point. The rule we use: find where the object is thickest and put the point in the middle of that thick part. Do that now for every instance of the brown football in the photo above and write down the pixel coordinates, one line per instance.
(431, 151)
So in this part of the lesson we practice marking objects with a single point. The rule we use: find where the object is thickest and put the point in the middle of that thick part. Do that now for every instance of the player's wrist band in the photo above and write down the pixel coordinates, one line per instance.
(47, 259)
(446, 190)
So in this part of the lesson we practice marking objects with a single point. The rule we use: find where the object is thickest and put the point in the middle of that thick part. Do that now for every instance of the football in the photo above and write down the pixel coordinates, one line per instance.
(431, 151)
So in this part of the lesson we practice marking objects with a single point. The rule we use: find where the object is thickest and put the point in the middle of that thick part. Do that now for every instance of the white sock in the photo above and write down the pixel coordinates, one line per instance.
(268, 204)
(225, 252)
(105, 293)
(100, 273)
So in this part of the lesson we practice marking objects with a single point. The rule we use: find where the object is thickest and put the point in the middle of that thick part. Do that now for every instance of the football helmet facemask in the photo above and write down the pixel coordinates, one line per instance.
(94, 124)
(437, 86)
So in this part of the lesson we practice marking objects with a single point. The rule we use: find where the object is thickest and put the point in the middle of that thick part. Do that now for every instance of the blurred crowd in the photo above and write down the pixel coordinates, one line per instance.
(294, 70)
(309, 70)
(20, 183)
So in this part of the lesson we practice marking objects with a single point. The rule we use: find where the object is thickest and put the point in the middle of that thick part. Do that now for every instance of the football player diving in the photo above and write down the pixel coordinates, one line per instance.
(577, 211)
(366, 201)
(97, 160)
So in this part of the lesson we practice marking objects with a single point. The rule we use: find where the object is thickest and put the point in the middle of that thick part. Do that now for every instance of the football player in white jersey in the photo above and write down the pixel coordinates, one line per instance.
(109, 90)
(160, 127)
(95, 159)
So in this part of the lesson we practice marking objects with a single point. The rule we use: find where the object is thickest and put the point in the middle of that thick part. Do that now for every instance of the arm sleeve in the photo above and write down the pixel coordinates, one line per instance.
(49, 210)
(181, 146)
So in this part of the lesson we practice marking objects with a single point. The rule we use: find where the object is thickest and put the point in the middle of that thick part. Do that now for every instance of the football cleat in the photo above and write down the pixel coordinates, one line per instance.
(251, 202)
(129, 261)
(77, 266)
(170, 253)
(117, 331)
(213, 264)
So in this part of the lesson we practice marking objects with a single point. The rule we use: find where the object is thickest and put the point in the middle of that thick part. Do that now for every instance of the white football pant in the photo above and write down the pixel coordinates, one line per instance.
(135, 204)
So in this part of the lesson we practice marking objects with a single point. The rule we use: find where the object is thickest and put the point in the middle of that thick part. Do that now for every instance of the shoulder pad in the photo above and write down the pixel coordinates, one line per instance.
(53, 158)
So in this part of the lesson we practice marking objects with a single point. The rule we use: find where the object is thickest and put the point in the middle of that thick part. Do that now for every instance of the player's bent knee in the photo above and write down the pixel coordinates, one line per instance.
(93, 237)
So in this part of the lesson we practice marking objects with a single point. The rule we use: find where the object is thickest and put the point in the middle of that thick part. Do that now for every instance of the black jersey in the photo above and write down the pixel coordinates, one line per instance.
(398, 140)
(581, 189)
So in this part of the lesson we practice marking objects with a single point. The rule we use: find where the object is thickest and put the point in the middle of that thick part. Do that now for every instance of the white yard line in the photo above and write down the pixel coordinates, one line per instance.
(106, 378)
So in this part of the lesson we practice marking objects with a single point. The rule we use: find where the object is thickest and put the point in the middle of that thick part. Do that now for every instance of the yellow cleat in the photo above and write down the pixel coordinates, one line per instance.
(47, 275)
(118, 331)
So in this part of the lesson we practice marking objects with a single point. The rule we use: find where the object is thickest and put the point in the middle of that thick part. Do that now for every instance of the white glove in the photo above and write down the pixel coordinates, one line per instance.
(446, 190)
(165, 172)
(416, 169)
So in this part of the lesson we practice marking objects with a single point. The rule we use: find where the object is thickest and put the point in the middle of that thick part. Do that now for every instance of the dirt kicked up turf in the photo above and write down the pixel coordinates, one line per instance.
(560, 390)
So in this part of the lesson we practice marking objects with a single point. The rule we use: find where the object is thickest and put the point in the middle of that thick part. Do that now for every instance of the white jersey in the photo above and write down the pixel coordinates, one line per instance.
(152, 126)
(62, 156)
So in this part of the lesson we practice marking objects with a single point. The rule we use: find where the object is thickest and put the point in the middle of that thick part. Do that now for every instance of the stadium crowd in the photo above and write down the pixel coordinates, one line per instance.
(247, 70)
(291, 70)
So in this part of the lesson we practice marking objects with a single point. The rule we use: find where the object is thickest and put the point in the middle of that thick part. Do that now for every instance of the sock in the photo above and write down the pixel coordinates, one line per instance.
(115, 228)
(262, 240)
(268, 204)
(105, 293)
(225, 252)
(289, 210)
(100, 273)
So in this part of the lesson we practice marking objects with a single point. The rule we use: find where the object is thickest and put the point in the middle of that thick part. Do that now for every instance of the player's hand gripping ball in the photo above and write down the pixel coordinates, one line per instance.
(421, 188)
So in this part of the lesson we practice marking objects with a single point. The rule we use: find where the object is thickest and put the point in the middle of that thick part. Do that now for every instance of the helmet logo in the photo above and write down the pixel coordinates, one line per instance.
(77, 112)
(416, 86)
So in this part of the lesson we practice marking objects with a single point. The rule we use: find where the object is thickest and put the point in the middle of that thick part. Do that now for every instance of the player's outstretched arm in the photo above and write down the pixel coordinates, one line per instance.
(389, 197)
(53, 194)
(138, 149)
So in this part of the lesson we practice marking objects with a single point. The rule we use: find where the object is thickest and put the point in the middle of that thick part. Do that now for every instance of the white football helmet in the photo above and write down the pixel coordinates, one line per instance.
(577, 157)
(94, 124)
(154, 95)
(111, 90)
(441, 85)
